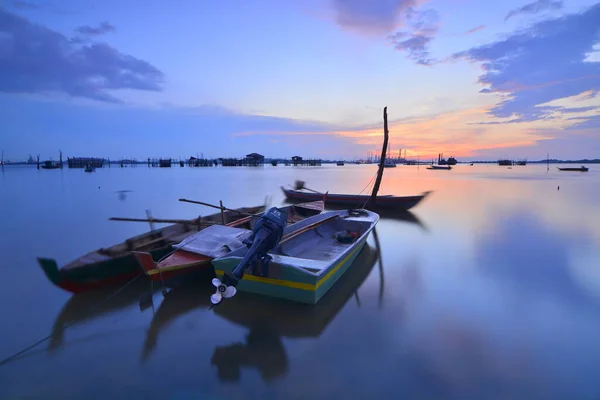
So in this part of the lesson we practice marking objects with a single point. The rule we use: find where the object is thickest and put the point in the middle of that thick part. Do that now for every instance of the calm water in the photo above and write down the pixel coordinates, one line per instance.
(494, 294)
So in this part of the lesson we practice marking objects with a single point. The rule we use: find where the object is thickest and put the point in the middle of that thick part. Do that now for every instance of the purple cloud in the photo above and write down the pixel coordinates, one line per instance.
(538, 65)
(535, 7)
(422, 28)
(476, 29)
(35, 59)
(101, 29)
(372, 16)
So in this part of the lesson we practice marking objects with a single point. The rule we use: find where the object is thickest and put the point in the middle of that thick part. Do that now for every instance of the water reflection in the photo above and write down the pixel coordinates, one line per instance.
(522, 250)
(87, 306)
(188, 296)
(270, 320)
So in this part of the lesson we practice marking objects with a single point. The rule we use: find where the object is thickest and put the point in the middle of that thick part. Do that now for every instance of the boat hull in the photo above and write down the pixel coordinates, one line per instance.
(97, 269)
(291, 286)
(111, 272)
(355, 201)
(584, 169)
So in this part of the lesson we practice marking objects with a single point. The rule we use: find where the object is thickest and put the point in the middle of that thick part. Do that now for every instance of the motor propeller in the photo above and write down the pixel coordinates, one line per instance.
(223, 291)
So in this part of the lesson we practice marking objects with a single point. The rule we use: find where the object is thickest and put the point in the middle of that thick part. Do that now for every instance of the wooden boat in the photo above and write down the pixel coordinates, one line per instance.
(51, 165)
(578, 169)
(353, 200)
(89, 169)
(442, 167)
(195, 253)
(117, 264)
(312, 255)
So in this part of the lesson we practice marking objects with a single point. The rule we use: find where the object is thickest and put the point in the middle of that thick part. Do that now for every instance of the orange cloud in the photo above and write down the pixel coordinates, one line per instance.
(454, 133)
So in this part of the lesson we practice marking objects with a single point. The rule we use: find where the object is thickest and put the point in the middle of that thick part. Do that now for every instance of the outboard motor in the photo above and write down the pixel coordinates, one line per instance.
(266, 234)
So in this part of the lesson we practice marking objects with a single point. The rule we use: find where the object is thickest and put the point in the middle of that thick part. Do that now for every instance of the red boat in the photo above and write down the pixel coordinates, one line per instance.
(195, 253)
(352, 200)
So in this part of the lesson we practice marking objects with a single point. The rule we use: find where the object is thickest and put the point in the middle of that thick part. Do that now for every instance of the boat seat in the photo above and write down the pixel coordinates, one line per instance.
(313, 265)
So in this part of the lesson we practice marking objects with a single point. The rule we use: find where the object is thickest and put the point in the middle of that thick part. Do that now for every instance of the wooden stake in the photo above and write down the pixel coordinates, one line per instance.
(222, 212)
(373, 199)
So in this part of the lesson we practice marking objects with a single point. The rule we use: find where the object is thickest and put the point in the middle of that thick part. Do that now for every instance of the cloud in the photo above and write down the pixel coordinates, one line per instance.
(372, 16)
(543, 63)
(37, 60)
(422, 28)
(587, 123)
(535, 7)
(26, 5)
(101, 29)
(476, 29)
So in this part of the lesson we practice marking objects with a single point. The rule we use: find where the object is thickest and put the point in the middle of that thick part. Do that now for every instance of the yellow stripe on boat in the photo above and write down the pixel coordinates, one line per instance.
(298, 285)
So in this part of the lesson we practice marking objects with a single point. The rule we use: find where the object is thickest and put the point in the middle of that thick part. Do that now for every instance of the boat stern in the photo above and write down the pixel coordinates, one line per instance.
(145, 261)
(50, 268)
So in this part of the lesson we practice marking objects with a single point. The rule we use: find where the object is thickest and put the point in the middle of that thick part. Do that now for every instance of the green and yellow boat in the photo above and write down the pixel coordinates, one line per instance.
(311, 256)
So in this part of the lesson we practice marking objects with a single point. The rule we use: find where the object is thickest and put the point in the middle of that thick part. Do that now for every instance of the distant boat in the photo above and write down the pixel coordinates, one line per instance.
(89, 169)
(51, 164)
(578, 169)
(452, 161)
(340, 163)
(274, 163)
(443, 167)
(505, 162)
(389, 163)
(300, 193)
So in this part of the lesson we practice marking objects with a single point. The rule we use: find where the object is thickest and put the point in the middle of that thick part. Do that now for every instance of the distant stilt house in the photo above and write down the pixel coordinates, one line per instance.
(83, 162)
(297, 160)
(199, 162)
(254, 159)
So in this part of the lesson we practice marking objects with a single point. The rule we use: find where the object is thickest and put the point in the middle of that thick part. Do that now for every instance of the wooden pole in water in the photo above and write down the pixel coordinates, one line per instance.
(373, 199)
(222, 212)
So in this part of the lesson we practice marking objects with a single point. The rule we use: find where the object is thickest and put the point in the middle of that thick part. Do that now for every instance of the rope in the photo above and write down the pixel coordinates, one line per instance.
(368, 184)
(374, 176)
(26, 349)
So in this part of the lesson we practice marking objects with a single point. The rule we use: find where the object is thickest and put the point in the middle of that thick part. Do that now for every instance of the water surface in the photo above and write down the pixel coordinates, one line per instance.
(491, 291)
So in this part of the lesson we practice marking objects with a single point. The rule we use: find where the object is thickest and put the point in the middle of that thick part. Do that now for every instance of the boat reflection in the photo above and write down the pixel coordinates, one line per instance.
(188, 296)
(269, 320)
(86, 306)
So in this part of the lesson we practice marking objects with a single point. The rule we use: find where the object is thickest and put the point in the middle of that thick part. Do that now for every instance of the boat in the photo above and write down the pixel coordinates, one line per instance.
(49, 164)
(300, 193)
(89, 169)
(195, 253)
(389, 163)
(310, 257)
(340, 163)
(116, 264)
(440, 167)
(452, 161)
(579, 169)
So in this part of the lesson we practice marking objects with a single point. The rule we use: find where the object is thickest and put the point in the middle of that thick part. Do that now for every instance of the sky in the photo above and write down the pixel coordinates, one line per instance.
(478, 80)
